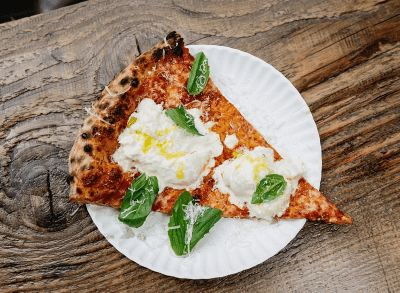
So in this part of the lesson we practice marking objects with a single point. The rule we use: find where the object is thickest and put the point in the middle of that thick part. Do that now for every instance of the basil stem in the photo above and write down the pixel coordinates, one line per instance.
(138, 201)
(269, 188)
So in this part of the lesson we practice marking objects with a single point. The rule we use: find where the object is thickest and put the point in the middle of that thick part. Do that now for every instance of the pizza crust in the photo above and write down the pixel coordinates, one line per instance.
(90, 163)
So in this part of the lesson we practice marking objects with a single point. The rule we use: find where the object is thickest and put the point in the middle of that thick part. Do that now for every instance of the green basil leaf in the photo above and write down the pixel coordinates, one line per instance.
(183, 119)
(204, 223)
(269, 188)
(138, 201)
(199, 74)
(184, 227)
(177, 236)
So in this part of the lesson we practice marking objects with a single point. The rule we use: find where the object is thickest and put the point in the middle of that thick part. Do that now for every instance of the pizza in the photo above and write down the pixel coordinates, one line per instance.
(127, 133)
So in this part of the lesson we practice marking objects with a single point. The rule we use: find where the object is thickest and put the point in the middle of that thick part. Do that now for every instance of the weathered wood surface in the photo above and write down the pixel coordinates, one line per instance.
(344, 58)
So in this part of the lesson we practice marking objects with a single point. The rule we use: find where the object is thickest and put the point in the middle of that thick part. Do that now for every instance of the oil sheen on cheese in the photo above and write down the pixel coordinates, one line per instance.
(153, 144)
(239, 177)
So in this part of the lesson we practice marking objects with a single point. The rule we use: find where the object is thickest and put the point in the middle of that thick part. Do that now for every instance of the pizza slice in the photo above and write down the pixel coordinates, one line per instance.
(129, 131)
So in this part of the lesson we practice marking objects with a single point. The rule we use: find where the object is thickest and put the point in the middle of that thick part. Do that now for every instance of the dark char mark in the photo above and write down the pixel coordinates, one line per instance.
(110, 119)
(104, 105)
(119, 112)
(171, 35)
(157, 54)
(124, 81)
(70, 178)
(135, 82)
(178, 51)
(94, 130)
(87, 148)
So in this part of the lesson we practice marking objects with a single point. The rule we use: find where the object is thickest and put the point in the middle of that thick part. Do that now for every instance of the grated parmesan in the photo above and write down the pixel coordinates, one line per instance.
(192, 212)
(95, 115)
(114, 95)
(131, 209)
(74, 212)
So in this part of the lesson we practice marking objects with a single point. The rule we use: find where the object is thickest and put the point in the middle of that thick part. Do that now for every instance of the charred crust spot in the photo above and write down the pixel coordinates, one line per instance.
(72, 160)
(157, 53)
(87, 148)
(119, 111)
(92, 193)
(83, 168)
(135, 82)
(70, 178)
(110, 130)
(110, 119)
(79, 190)
(196, 198)
(104, 105)
(125, 97)
(85, 135)
(94, 130)
(171, 35)
(178, 51)
(124, 81)
(141, 60)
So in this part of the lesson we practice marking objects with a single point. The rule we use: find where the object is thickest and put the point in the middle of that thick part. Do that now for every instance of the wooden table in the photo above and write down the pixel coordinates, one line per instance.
(344, 58)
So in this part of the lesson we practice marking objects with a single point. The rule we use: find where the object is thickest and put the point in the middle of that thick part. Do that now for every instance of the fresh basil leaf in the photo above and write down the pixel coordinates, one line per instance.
(177, 236)
(204, 223)
(183, 119)
(199, 74)
(200, 222)
(269, 188)
(138, 201)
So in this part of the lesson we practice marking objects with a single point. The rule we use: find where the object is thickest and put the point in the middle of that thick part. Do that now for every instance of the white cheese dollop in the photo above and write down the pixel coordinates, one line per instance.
(231, 141)
(153, 144)
(240, 176)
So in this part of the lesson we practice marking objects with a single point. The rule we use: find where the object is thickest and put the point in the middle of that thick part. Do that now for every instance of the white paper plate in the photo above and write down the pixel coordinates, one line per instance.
(276, 109)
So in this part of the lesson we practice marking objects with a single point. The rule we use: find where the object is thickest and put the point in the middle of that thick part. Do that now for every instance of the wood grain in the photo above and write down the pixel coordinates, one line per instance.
(344, 58)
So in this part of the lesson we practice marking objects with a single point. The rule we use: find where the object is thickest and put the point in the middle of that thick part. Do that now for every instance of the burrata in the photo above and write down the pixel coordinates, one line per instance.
(153, 144)
(239, 177)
